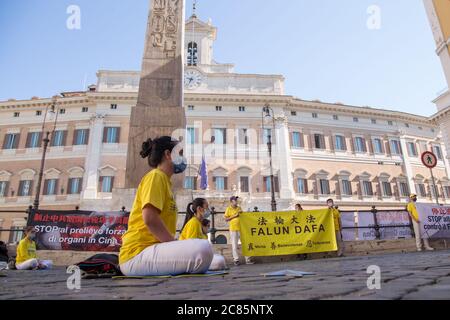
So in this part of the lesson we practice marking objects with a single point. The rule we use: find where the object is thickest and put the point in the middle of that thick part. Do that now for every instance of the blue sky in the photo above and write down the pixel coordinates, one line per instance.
(323, 47)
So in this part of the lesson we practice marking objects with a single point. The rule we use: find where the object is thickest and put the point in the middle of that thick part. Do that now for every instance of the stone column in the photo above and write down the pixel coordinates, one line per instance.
(159, 110)
(93, 157)
(283, 157)
(407, 165)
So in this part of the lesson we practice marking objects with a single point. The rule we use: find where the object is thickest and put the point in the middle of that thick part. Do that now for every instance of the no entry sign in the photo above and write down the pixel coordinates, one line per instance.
(429, 159)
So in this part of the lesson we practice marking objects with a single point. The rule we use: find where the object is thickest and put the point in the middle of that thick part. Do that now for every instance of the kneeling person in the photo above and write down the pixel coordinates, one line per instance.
(194, 228)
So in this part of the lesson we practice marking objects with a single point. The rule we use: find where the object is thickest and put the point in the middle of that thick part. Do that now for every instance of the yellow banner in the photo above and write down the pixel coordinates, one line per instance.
(285, 233)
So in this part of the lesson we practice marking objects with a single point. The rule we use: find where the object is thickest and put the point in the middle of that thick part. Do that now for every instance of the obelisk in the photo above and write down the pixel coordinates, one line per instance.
(159, 110)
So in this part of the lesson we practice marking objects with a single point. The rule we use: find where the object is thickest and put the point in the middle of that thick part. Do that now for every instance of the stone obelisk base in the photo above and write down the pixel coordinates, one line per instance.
(152, 123)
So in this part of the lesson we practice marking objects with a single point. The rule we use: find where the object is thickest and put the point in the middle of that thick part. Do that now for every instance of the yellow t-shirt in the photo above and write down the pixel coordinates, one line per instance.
(26, 250)
(155, 189)
(336, 217)
(413, 211)
(193, 230)
(234, 224)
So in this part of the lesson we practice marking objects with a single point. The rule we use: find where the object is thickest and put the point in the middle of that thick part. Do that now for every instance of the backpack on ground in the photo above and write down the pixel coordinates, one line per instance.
(3, 252)
(100, 266)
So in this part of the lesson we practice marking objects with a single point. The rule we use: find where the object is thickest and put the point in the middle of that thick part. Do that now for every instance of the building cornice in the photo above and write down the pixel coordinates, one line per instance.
(363, 111)
(440, 116)
(89, 98)
(442, 95)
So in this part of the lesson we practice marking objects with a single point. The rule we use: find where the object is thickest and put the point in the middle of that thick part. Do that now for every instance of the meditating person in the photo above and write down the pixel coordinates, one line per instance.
(26, 258)
(194, 228)
(149, 247)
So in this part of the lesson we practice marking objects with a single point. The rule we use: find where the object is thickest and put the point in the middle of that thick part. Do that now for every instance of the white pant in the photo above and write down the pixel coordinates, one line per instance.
(34, 263)
(235, 237)
(171, 258)
(416, 226)
(218, 263)
(340, 244)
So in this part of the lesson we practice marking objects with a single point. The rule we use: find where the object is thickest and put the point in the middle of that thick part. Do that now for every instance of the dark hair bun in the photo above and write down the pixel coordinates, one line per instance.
(147, 147)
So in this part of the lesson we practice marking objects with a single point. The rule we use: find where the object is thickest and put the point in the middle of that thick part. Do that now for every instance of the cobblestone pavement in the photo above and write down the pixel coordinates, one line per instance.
(424, 275)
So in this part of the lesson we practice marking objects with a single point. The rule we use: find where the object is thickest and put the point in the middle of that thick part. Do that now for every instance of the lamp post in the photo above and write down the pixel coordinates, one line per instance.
(266, 113)
(51, 113)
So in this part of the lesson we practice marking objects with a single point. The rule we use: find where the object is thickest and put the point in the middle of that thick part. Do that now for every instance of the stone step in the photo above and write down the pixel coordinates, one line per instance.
(352, 248)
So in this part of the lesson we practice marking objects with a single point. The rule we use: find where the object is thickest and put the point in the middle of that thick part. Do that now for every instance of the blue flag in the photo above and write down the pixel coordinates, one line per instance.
(203, 175)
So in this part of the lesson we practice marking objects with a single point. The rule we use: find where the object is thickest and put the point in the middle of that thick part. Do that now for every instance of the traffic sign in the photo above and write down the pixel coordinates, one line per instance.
(429, 159)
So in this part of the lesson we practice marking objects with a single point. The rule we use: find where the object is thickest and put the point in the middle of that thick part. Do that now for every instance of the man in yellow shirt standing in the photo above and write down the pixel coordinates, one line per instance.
(416, 224)
(232, 217)
(337, 227)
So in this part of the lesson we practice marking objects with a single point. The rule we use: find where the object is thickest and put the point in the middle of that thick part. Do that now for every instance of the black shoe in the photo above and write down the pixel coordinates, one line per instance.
(237, 263)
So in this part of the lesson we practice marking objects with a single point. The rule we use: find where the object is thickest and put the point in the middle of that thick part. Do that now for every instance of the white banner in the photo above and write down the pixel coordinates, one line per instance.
(365, 219)
(394, 218)
(434, 221)
(386, 220)
(348, 221)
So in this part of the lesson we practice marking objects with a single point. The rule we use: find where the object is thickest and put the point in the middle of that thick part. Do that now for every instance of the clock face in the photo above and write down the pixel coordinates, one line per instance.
(192, 79)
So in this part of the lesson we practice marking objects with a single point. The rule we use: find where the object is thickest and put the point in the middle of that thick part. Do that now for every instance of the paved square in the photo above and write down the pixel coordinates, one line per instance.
(424, 275)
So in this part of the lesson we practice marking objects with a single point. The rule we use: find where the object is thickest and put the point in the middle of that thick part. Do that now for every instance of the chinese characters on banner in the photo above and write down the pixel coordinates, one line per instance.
(285, 233)
(79, 230)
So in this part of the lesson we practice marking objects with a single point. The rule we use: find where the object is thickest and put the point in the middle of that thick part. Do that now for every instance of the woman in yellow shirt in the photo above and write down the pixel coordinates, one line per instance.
(149, 247)
(196, 213)
(26, 258)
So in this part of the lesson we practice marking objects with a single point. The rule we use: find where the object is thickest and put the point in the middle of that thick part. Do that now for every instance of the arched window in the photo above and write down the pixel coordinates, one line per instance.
(75, 182)
(5, 177)
(106, 181)
(192, 57)
(26, 182)
(51, 182)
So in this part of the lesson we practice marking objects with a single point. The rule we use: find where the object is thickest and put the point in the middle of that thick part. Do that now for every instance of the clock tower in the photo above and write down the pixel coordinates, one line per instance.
(199, 40)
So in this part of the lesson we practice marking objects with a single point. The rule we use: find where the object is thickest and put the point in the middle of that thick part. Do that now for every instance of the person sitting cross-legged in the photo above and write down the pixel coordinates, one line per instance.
(26, 253)
(194, 228)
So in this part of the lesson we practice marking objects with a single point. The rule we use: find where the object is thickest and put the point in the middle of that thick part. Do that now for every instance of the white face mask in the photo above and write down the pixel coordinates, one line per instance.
(207, 214)
(178, 160)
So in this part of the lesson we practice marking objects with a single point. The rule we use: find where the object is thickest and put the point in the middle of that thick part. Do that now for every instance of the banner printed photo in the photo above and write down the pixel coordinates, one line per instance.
(79, 230)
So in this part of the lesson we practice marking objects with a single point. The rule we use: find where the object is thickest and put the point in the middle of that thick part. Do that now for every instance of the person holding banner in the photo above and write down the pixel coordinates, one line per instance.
(197, 213)
(232, 217)
(416, 224)
(337, 226)
(149, 247)
(26, 258)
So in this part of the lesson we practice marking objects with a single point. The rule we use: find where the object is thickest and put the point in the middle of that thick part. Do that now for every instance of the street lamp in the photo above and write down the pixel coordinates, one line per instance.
(52, 114)
(267, 112)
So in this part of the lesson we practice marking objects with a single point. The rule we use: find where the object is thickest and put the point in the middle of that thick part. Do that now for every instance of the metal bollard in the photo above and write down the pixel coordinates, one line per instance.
(377, 227)
(213, 230)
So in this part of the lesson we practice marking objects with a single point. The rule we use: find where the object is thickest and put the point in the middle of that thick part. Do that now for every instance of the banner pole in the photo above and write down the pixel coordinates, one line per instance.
(435, 187)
